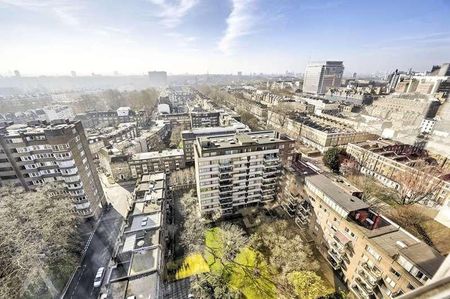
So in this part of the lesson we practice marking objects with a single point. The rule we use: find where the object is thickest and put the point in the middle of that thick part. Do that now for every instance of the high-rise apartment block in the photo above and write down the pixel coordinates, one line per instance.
(321, 76)
(374, 256)
(201, 119)
(40, 153)
(239, 170)
(157, 78)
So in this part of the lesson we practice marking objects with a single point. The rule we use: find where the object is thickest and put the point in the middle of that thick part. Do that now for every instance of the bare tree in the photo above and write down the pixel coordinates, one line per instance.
(193, 230)
(420, 185)
(38, 237)
(412, 219)
(285, 250)
(175, 136)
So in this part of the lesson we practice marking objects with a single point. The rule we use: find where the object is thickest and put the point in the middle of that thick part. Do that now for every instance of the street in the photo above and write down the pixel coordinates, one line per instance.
(97, 255)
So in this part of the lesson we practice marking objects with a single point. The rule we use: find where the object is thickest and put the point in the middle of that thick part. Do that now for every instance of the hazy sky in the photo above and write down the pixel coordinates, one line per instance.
(220, 36)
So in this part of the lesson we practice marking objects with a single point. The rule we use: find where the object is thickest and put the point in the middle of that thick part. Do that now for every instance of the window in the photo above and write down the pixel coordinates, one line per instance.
(373, 252)
(405, 263)
(390, 282)
(393, 271)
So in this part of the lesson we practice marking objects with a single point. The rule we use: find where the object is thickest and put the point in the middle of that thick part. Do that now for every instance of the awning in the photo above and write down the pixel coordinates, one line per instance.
(341, 238)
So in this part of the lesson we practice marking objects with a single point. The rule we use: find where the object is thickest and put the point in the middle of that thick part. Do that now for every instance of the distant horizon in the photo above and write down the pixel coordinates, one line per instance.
(11, 74)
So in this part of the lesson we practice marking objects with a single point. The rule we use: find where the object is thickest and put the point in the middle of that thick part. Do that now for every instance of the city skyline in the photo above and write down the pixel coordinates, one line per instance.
(54, 37)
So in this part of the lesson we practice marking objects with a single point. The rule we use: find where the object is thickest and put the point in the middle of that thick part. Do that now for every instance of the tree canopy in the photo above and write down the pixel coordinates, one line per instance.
(332, 158)
(38, 239)
(308, 285)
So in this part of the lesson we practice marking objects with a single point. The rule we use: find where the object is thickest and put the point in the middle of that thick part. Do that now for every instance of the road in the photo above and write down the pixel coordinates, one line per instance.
(98, 254)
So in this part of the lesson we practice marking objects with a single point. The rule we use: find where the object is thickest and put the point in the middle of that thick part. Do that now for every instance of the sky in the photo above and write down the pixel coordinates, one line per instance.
(54, 37)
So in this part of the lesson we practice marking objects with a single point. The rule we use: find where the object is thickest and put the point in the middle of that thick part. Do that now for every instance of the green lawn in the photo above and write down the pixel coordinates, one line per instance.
(212, 241)
(192, 265)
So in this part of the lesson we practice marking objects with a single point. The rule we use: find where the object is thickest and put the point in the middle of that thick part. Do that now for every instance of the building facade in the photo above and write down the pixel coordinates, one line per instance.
(138, 267)
(151, 162)
(96, 119)
(319, 132)
(204, 119)
(189, 136)
(239, 170)
(386, 161)
(39, 153)
(321, 76)
(373, 255)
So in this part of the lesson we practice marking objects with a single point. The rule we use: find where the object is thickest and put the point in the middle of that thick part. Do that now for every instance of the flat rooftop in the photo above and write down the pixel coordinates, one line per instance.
(144, 222)
(192, 134)
(143, 287)
(153, 177)
(424, 257)
(240, 139)
(143, 207)
(140, 239)
(337, 194)
(392, 242)
(157, 155)
(35, 128)
(145, 261)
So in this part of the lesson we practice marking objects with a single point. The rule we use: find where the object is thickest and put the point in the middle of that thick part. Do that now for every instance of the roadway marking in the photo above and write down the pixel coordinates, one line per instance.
(78, 281)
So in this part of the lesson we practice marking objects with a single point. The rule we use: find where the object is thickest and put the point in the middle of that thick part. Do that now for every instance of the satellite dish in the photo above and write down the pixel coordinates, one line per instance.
(140, 243)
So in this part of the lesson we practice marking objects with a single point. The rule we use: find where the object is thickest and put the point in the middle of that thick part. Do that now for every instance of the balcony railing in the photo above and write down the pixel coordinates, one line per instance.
(225, 177)
(367, 279)
(359, 294)
(333, 262)
(225, 167)
(301, 221)
(372, 272)
(363, 286)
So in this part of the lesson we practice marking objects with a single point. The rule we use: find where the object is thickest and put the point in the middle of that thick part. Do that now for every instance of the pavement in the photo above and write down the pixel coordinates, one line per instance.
(98, 254)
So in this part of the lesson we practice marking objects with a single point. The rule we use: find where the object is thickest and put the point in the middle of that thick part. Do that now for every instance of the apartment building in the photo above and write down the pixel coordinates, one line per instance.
(177, 119)
(99, 138)
(47, 113)
(155, 136)
(157, 78)
(373, 255)
(321, 76)
(321, 105)
(138, 264)
(189, 136)
(202, 119)
(319, 132)
(39, 153)
(410, 109)
(151, 162)
(94, 119)
(115, 164)
(352, 96)
(239, 170)
(385, 160)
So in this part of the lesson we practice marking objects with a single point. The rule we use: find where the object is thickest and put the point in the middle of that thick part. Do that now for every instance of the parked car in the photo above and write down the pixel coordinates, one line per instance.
(99, 277)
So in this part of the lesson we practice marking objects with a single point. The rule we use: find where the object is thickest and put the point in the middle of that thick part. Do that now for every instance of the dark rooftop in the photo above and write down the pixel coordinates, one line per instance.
(424, 257)
(344, 200)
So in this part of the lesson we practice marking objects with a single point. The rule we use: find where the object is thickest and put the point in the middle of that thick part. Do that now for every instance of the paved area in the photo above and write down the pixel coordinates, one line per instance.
(178, 289)
(119, 195)
(98, 254)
